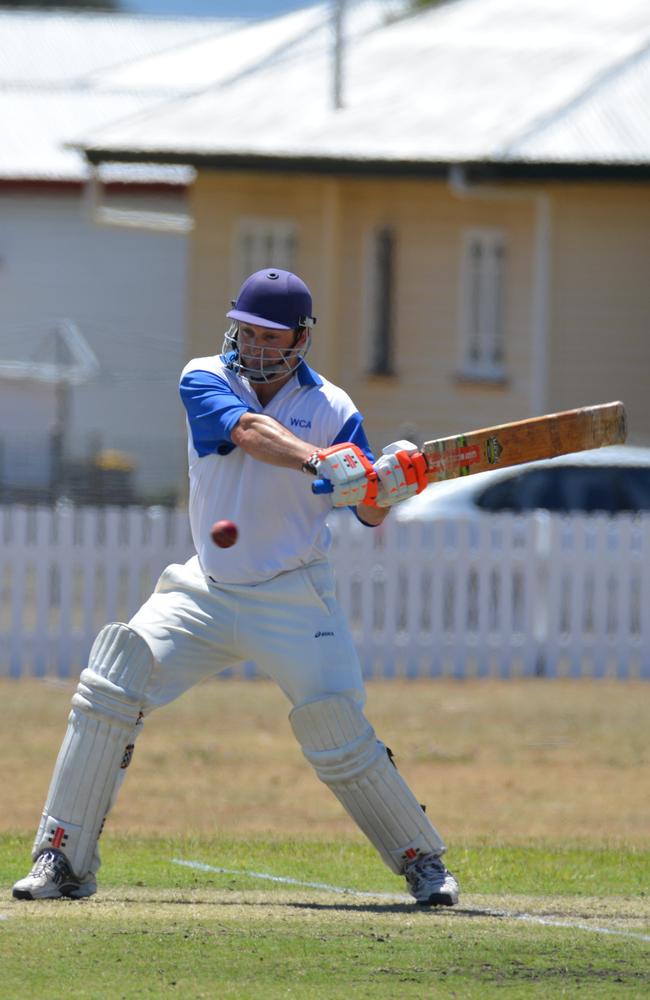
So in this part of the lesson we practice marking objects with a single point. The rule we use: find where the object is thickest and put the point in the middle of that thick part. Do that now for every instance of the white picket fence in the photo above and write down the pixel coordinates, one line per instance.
(501, 597)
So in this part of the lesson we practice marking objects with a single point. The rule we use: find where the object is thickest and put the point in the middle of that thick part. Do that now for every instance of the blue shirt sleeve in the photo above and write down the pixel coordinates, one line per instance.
(352, 430)
(213, 410)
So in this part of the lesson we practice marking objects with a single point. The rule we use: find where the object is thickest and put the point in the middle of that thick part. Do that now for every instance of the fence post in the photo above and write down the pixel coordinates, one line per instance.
(17, 549)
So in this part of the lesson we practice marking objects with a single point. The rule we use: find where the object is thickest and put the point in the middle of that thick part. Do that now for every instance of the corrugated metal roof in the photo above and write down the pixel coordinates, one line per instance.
(475, 80)
(64, 73)
(41, 48)
(213, 59)
(33, 130)
(51, 63)
(611, 120)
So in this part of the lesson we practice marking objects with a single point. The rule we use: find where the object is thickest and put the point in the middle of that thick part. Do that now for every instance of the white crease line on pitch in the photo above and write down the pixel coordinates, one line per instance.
(294, 881)
(554, 922)
(395, 898)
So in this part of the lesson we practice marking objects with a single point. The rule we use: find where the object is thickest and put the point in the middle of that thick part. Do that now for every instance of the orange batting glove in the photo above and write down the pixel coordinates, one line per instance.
(401, 471)
(351, 476)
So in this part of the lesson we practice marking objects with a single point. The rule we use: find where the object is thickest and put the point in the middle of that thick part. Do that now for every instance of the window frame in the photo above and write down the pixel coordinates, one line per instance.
(482, 305)
(379, 325)
(272, 230)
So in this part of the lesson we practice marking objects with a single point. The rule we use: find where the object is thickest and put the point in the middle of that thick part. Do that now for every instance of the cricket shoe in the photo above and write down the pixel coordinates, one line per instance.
(52, 878)
(430, 883)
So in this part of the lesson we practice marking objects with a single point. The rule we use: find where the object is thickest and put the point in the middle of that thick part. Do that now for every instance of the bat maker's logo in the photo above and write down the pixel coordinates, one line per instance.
(57, 836)
(493, 449)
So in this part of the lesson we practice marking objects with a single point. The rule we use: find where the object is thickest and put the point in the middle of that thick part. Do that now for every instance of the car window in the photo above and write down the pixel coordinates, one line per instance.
(611, 489)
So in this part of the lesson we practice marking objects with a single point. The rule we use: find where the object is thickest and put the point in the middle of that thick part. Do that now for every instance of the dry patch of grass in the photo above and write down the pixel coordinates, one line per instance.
(134, 904)
(562, 761)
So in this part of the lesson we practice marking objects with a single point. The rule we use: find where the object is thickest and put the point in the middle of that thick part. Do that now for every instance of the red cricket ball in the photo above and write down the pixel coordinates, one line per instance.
(224, 533)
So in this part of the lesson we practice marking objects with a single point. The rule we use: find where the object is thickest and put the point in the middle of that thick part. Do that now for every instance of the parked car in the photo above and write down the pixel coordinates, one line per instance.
(611, 480)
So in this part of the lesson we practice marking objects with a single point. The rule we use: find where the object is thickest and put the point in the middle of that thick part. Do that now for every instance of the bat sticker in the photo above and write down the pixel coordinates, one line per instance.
(528, 440)
(493, 449)
(455, 462)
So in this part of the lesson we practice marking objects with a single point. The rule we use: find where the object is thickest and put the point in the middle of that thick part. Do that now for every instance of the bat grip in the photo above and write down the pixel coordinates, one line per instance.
(322, 486)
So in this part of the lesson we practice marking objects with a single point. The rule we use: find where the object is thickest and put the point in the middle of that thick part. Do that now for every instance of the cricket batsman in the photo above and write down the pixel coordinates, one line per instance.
(261, 424)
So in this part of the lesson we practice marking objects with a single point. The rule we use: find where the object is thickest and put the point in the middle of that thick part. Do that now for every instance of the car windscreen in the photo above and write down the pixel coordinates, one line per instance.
(566, 488)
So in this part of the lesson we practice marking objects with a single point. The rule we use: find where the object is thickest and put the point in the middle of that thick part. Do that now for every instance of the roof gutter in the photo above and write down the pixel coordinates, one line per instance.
(540, 308)
(482, 171)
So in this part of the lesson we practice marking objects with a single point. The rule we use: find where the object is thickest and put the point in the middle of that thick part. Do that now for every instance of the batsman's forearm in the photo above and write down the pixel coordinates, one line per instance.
(372, 516)
(269, 441)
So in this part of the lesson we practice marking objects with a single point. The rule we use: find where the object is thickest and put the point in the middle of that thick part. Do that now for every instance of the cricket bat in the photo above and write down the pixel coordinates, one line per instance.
(518, 442)
(525, 441)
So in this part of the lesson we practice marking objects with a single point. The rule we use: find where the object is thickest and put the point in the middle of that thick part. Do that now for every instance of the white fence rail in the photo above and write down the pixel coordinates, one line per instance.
(500, 597)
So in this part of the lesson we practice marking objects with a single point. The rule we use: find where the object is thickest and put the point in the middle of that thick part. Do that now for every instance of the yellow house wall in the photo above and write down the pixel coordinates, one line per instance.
(598, 341)
(219, 200)
(335, 219)
(426, 398)
(600, 336)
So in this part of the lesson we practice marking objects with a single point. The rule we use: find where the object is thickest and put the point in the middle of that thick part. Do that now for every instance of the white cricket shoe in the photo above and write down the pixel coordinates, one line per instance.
(430, 883)
(51, 878)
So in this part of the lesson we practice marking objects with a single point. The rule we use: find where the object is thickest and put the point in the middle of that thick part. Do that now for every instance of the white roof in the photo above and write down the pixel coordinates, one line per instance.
(544, 81)
(66, 73)
(51, 67)
(34, 128)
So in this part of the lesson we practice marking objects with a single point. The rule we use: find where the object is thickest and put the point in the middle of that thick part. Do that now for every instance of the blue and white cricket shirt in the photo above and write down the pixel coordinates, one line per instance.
(281, 522)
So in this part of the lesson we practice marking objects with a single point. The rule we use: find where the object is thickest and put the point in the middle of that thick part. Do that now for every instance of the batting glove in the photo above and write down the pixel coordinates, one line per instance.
(401, 471)
(350, 474)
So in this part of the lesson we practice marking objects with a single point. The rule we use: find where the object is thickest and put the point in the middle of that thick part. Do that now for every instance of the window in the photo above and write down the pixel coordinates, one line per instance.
(481, 307)
(564, 489)
(380, 334)
(264, 243)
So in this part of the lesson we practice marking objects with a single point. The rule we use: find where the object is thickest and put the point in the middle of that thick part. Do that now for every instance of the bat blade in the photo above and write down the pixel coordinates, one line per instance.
(525, 441)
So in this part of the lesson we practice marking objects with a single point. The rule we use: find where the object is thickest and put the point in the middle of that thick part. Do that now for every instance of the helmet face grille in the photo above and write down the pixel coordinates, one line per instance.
(273, 298)
(266, 365)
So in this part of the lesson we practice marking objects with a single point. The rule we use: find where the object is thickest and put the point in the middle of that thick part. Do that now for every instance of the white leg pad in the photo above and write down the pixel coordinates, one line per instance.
(337, 739)
(97, 747)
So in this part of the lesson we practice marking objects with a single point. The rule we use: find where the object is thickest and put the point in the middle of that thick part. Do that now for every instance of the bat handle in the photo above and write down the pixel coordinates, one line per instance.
(322, 486)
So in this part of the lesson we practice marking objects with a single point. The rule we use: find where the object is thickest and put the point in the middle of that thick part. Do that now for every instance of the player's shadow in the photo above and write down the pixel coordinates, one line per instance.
(345, 906)
(410, 908)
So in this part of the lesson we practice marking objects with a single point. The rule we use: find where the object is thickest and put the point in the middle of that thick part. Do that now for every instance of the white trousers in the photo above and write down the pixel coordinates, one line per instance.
(291, 626)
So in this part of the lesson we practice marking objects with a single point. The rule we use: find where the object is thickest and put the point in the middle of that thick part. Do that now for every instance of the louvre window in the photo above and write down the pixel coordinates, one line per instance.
(482, 303)
(265, 243)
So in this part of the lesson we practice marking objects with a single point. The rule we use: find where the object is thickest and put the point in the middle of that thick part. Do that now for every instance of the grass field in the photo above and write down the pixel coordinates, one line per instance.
(541, 790)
